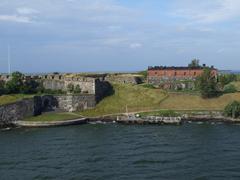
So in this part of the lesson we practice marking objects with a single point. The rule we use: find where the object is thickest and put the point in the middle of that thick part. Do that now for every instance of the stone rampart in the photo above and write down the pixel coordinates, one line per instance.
(123, 79)
(86, 86)
(16, 111)
(72, 103)
(19, 110)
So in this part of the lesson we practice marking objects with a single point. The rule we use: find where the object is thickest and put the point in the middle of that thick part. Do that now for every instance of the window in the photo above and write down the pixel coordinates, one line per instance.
(156, 73)
(195, 73)
(185, 73)
(175, 73)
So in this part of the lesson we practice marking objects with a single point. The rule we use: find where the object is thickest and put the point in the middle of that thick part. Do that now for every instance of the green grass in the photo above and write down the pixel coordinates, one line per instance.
(7, 99)
(178, 101)
(237, 85)
(135, 97)
(142, 99)
(54, 117)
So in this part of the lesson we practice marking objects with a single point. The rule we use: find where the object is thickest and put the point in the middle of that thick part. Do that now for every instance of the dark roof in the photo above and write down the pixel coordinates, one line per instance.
(177, 68)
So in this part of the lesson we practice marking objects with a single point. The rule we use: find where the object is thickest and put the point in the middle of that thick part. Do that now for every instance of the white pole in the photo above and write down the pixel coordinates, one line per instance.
(9, 60)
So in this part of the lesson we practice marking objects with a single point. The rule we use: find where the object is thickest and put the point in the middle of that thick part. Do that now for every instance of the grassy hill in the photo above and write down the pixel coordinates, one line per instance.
(6, 99)
(181, 101)
(139, 98)
(135, 98)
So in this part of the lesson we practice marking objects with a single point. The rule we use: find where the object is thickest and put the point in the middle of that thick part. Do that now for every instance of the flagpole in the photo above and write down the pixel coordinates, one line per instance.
(9, 60)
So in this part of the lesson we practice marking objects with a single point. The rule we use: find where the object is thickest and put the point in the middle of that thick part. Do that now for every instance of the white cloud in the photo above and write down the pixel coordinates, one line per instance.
(135, 45)
(14, 18)
(26, 11)
(208, 11)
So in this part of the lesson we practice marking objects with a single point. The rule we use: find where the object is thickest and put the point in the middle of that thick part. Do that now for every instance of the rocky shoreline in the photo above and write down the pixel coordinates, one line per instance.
(126, 120)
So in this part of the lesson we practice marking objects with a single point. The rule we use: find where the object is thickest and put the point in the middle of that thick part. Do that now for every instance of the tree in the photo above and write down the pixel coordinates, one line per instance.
(30, 87)
(16, 83)
(207, 84)
(2, 88)
(70, 88)
(194, 63)
(232, 109)
(77, 89)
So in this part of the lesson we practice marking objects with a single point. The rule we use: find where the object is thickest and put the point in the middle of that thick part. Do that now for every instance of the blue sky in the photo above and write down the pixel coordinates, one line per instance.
(118, 35)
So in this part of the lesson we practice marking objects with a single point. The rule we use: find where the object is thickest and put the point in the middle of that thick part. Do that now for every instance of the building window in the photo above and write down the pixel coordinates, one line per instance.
(195, 73)
(185, 73)
(175, 73)
(155, 73)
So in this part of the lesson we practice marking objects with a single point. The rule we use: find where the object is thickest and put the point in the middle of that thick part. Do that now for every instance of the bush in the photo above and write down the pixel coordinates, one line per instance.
(232, 109)
(226, 79)
(150, 86)
(230, 88)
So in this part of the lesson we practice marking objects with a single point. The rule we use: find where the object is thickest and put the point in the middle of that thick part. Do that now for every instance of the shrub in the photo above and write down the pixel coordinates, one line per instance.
(230, 88)
(150, 86)
(226, 79)
(232, 109)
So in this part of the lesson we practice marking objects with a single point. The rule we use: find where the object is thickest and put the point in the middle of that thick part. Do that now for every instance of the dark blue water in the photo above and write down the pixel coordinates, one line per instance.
(111, 151)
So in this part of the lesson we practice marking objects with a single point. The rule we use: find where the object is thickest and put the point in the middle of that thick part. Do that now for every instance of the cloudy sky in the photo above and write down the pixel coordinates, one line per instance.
(118, 35)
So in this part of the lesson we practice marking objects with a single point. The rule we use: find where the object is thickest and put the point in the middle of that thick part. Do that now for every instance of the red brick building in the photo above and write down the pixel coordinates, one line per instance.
(163, 74)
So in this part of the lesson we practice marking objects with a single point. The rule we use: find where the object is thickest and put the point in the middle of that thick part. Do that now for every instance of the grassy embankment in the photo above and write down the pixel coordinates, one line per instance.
(139, 99)
(128, 97)
(7, 99)
(54, 117)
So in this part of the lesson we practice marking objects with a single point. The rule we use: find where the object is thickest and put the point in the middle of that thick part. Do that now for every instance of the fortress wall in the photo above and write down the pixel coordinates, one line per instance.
(72, 103)
(85, 86)
(16, 111)
(20, 110)
(123, 79)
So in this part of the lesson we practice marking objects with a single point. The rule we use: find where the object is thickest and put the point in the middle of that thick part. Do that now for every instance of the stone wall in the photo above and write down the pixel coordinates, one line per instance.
(172, 83)
(87, 85)
(37, 105)
(16, 111)
(123, 79)
(72, 103)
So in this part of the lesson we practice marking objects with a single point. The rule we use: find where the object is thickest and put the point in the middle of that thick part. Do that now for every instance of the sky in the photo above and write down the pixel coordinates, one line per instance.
(117, 35)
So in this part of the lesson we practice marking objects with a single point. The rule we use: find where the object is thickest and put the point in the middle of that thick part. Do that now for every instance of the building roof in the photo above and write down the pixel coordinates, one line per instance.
(178, 68)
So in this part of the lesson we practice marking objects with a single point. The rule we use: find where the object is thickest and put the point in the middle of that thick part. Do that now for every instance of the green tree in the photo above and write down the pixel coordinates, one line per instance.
(2, 88)
(77, 89)
(232, 109)
(16, 83)
(30, 87)
(194, 63)
(70, 88)
(207, 84)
